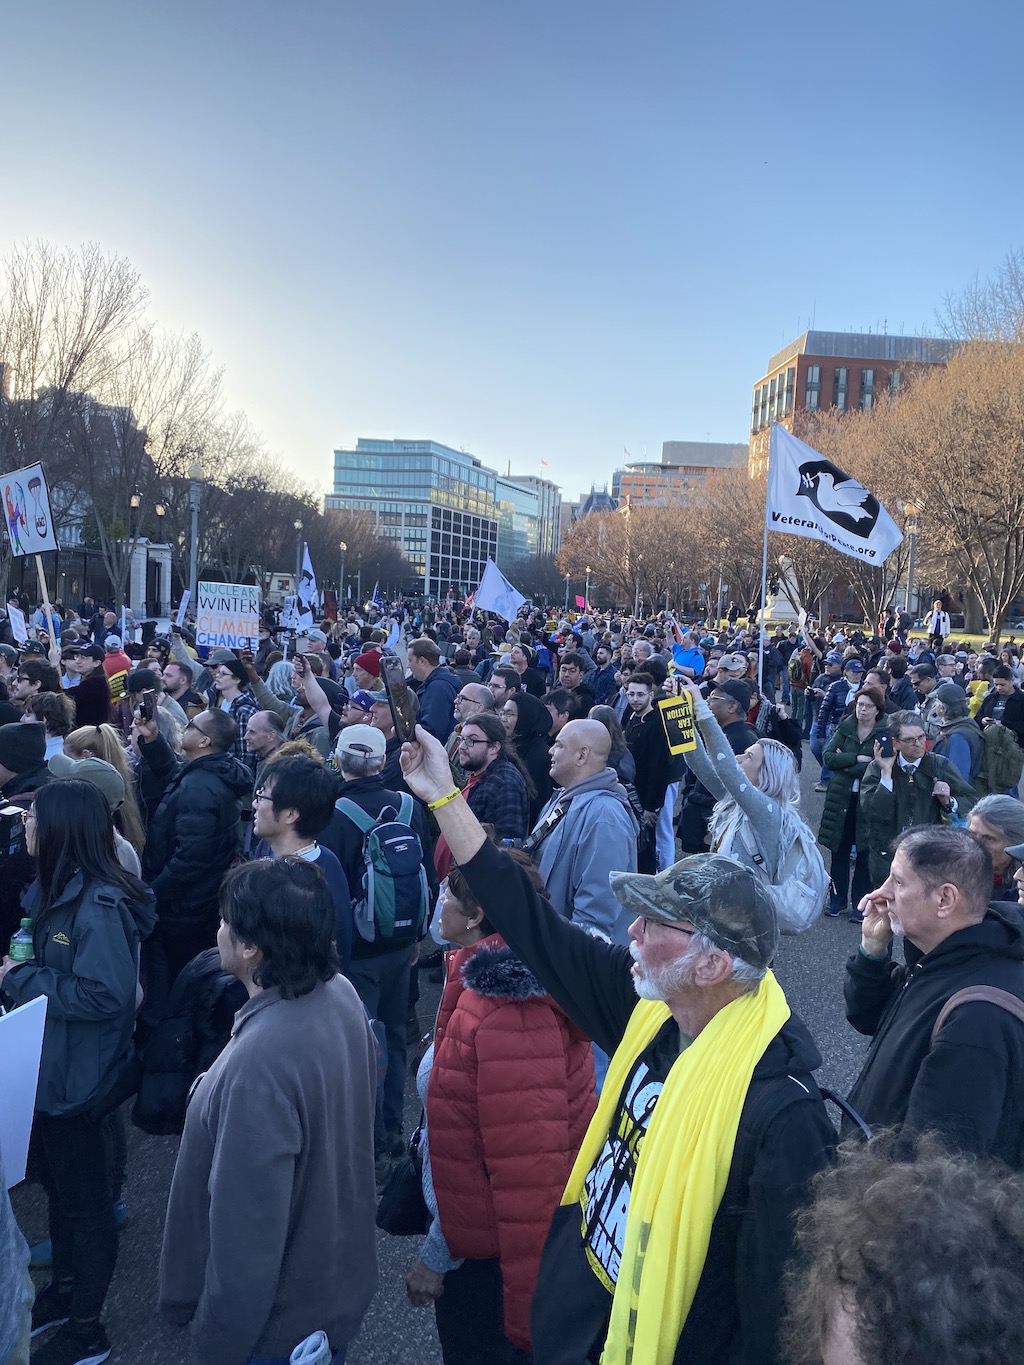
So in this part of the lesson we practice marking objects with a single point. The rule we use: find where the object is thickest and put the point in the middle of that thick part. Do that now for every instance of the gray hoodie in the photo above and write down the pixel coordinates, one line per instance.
(597, 835)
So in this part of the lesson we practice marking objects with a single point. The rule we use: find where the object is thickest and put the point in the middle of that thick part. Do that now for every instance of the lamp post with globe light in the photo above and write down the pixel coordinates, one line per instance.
(196, 474)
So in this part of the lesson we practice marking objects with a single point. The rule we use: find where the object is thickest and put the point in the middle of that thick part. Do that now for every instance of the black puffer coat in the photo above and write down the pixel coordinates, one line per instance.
(195, 832)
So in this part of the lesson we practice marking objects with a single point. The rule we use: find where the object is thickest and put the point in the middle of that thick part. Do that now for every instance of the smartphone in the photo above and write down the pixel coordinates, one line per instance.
(392, 675)
(885, 746)
(147, 704)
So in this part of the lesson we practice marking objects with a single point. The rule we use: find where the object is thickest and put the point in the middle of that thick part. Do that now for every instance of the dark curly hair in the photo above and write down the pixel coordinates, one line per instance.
(920, 1261)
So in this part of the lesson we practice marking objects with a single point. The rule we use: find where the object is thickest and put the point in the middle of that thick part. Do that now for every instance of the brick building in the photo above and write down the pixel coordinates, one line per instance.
(843, 370)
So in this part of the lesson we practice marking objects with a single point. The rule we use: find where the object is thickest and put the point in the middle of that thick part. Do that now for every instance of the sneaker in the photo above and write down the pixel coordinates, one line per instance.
(834, 911)
(856, 917)
(821, 787)
(52, 1307)
(76, 1343)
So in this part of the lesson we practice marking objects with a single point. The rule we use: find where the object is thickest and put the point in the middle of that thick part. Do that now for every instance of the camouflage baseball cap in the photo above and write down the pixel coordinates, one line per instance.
(720, 897)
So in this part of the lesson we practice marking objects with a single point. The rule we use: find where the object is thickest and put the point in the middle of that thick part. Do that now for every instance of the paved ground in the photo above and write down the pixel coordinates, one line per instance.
(811, 970)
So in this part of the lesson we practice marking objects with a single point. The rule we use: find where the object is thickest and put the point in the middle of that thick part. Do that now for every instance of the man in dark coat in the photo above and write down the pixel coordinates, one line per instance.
(436, 690)
(960, 1082)
(194, 835)
(913, 787)
(1004, 702)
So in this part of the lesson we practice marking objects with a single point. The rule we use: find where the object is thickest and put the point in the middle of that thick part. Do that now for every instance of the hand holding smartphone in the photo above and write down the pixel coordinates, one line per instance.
(399, 697)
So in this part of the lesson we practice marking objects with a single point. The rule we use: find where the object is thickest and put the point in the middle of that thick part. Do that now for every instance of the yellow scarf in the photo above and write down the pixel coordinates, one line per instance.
(682, 1167)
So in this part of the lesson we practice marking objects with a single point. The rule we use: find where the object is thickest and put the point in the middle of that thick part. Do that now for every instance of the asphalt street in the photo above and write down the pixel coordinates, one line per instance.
(810, 969)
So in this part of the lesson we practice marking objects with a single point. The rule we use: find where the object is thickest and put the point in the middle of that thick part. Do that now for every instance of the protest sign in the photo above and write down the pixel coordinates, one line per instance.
(21, 1043)
(677, 718)
(179, 620)
(19, 626)
(228, 616)
(27, 511)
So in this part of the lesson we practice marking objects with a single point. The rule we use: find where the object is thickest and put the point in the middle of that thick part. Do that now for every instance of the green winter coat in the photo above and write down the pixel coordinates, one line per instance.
(884, 813)
(840, 757)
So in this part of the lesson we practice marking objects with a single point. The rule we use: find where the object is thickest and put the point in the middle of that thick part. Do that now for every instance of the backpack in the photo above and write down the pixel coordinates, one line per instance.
(191, 1035)
(1001, 763)
(796, 668)
(803, 883)
(394, 904)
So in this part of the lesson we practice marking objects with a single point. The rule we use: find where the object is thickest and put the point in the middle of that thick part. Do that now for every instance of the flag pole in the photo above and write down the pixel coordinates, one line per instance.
(764, 567)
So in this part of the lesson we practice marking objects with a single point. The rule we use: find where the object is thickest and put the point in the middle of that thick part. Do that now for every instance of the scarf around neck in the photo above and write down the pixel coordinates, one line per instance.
(682, 1168)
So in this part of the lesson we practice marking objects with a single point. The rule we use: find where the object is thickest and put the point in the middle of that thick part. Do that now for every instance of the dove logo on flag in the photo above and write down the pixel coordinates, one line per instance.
(809, 496)
(841, 499)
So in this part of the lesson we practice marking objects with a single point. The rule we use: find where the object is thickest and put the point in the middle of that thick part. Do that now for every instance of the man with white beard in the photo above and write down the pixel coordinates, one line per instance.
(709, 1125)
(957, 1076)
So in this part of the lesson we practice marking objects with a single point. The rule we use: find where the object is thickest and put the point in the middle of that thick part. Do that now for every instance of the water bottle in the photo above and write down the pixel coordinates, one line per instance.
(21, 949)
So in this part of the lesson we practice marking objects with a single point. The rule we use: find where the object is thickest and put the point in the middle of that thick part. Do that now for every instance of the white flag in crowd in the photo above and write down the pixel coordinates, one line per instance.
(497, 594)
(308, 598)
(809, 496)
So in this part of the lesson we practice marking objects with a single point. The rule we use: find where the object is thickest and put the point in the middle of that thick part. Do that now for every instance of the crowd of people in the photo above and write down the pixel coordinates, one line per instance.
(225, 871)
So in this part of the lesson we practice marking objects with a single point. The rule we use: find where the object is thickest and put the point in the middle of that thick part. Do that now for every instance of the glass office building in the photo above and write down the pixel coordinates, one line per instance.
(437, 504)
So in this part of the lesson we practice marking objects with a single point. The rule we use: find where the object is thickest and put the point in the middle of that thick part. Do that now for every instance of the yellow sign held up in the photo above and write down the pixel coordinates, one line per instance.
(677, 718)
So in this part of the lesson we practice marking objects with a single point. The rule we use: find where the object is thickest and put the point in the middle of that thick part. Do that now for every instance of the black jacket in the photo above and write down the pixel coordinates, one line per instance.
(195, 831)
(969, 1086)
(436, 696)
(16, 868)
(345, 840)
(1013, 716)
(784, 1138)
(649, 747)
(86, 964)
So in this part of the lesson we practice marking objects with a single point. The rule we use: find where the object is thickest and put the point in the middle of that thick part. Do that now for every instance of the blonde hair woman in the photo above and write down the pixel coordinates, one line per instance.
(103, 741)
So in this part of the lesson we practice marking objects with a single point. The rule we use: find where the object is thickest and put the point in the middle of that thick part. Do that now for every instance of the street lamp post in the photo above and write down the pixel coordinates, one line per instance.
(586, 592)
(912, 514)
(341, 579)
(196, 475)
(567, 594)
(298, 554)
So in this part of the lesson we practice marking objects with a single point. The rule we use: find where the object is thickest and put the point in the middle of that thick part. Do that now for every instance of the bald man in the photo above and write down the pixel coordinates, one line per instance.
(586, 831)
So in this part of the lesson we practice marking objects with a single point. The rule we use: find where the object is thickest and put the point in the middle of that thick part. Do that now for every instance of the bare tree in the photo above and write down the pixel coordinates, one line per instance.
(958, 438)
(988, 310)
(64, 320)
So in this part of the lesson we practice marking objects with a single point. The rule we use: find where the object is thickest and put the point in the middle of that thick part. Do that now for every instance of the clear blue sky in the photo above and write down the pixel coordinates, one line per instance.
(546, 230)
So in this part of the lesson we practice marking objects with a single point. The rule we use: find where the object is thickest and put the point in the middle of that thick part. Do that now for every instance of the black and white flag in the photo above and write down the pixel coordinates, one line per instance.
(811, 497)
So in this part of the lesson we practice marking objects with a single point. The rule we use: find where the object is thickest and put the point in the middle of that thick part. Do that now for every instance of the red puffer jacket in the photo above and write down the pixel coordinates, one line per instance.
(510, 1095)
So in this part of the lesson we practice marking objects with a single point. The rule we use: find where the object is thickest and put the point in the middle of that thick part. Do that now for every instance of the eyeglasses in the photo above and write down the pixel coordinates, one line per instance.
(676, 928)
(468, 743)
(261, 794)
(28, 815)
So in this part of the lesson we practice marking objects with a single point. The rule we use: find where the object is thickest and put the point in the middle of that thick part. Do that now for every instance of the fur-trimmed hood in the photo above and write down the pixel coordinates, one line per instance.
(494, 970)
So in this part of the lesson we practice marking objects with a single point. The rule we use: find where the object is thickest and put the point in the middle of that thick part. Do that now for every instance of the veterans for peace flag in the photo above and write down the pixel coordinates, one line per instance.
(811, 497)
(497, 594)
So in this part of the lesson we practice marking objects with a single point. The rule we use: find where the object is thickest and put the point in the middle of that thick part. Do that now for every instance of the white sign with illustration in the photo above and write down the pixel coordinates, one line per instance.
(27, 511)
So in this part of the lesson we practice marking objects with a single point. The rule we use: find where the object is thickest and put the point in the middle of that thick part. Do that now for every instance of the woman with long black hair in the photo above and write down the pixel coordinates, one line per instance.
(88, 917)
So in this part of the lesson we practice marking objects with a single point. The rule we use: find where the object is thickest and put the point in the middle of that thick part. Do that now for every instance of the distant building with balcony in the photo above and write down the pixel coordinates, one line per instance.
(684, 467)
(843, 370)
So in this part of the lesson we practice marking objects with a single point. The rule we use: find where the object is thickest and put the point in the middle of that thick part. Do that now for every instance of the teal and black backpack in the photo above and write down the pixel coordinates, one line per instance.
(394, 903)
